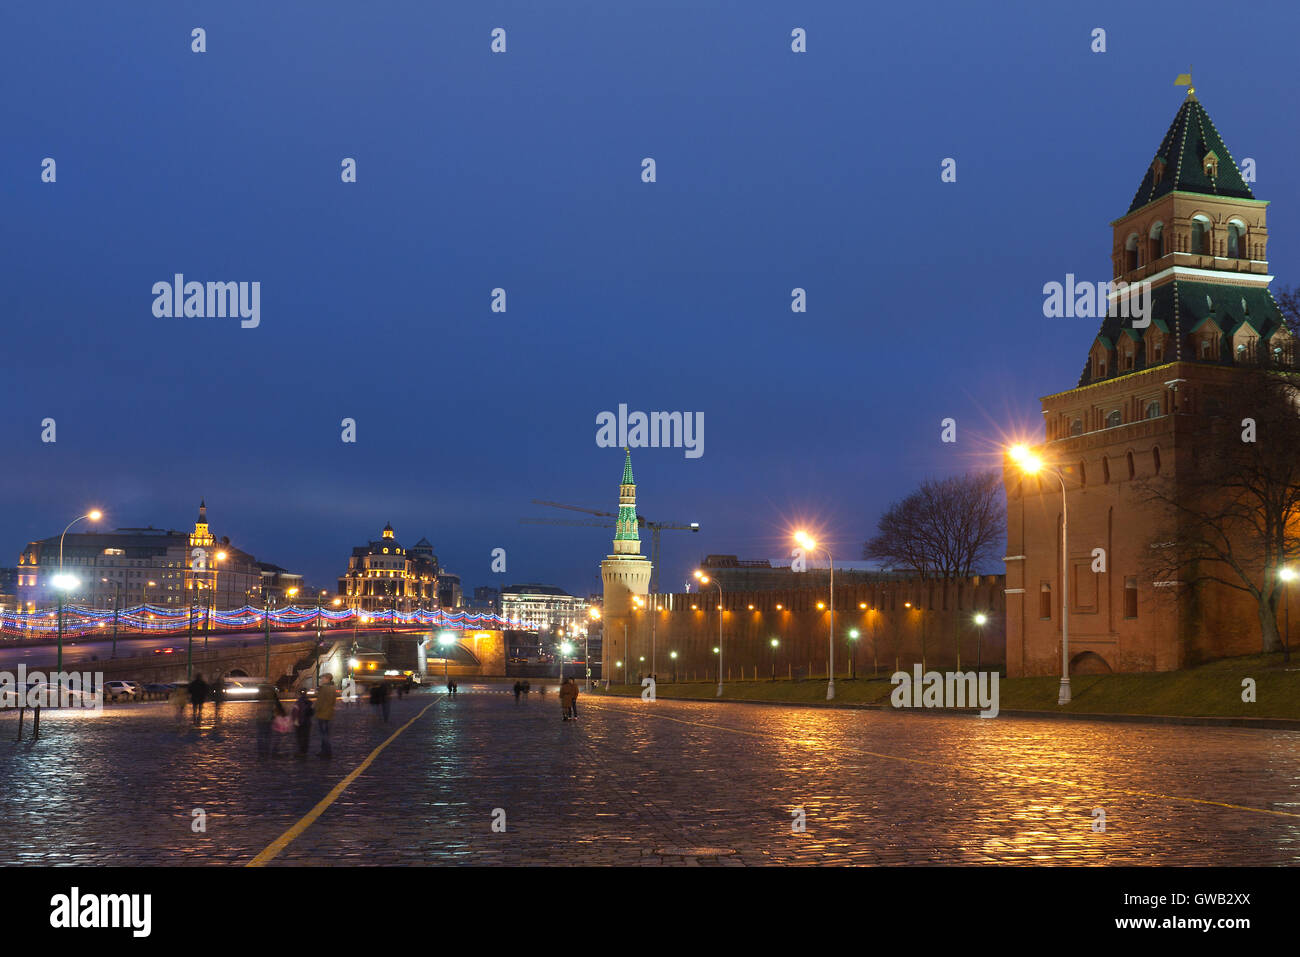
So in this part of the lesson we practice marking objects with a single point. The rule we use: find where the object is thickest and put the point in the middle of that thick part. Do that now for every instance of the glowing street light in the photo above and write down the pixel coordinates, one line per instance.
(1030, 463)
(445, 641)
(1288, 575)
(853, 658)
(980, 620)
(705, 580)
(808, 544)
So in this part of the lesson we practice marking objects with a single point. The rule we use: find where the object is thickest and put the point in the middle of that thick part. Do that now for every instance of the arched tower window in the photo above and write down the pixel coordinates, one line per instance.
(1131, 253)
(1114, 418)
(1201, 235)
(1157, 242)
(1076, 427)
(1236, 241)
(1153, 409)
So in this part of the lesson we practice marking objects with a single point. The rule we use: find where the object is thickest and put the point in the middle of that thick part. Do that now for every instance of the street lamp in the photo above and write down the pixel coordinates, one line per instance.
(147, 586)
(1031, 464)
(981, 620)
(1288, 575)
(808, 544)
(774, 644)
(445, 641)
(565, 649)
(853, 657)
(705, 580)
(62, 584)
(673, 656)
(117, 597)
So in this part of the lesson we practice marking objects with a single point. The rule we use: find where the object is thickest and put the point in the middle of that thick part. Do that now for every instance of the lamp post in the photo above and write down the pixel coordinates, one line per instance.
(147, 586)
(565, 649)
(705, 580)
(1287, 574)
(775, 642)
(444, 642)
(981, 620)
(808, 544)
(68, 581)
(1030, 463)
(117, 597)
(673, 656)
(853, 653)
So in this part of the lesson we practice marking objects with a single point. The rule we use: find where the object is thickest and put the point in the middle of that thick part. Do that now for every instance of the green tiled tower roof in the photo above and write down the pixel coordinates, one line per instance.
(1179, 163)
(625, 529)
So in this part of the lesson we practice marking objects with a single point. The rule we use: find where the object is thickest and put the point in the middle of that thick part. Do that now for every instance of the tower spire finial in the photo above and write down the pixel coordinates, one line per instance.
(1185, 79)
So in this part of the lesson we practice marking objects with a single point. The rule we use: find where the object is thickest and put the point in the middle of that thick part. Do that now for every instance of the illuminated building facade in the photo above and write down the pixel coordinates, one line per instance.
(166, 567)
(385, 574)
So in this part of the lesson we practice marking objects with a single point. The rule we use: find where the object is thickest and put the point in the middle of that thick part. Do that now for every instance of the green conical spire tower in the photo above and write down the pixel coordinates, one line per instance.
(627, 539)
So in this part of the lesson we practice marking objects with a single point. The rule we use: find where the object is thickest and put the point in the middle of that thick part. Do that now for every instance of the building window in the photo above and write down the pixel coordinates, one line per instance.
(1159, 352)
(1153, 409)
(1205, 349)
(1076, 427)
(1157, 241)
(1201, 236)
(1045, 601)
(1114, 419)
(1131, 253)
(1131, 597)
(1236, 241)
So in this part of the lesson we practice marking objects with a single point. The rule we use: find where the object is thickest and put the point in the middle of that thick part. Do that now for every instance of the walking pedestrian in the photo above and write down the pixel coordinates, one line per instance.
(518, 688)
(573, 698)
(527, 688)
(179, 698)
(325, 698)
(302, 711)
(379, 696)
(265, 717)
(198, 695)
(281, 723)
(566, 699)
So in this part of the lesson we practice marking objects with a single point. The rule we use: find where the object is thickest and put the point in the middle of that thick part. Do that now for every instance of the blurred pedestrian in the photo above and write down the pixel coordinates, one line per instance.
(566, 698)
(281, 723)
(179, 698)
(518, 688)
(379, 696)
(527, 687)
(573, 698)
(265, 717)
(199, 692)
(325, 698)
(302, 711)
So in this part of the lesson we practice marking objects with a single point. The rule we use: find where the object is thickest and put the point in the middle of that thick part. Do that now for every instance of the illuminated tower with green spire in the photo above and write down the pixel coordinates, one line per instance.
(626, 575)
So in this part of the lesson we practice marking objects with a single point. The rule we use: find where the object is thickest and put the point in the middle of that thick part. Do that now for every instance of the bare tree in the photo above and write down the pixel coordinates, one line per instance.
(944, 530)
(1232, 506)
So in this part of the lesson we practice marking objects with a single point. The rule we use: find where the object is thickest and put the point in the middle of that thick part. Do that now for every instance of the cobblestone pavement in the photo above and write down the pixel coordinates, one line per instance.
(646, 783)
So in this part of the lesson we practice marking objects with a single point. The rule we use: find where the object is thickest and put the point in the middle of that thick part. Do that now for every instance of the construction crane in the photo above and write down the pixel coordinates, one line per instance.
(641, 521)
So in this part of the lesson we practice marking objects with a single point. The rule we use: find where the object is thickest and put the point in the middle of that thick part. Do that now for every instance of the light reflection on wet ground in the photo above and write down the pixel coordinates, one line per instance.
(637, 782)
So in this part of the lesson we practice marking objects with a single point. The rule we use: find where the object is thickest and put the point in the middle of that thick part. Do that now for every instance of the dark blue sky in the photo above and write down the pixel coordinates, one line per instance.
(522, 170)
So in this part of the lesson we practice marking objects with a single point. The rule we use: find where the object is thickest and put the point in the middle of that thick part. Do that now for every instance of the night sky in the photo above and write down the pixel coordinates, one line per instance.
(523, 171)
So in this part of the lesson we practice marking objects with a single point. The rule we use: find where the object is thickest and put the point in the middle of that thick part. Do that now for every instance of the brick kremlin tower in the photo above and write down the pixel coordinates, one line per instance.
(626, 575)
(1195, 231)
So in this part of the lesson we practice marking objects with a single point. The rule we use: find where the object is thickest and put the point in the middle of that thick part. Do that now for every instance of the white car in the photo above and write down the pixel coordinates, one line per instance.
(123, 691)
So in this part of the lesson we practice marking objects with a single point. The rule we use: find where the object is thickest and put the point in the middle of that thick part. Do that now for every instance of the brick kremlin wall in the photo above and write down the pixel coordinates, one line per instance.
(938, 623)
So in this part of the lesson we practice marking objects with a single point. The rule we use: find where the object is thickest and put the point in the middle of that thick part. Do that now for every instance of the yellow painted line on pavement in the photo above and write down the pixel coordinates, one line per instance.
(272, 850)
(949, 767)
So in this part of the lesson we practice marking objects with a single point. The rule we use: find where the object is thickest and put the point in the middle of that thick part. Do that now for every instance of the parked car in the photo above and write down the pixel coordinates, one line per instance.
(158, 690)
(122, 691)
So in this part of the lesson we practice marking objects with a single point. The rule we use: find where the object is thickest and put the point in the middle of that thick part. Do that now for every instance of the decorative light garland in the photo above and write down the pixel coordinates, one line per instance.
(151, 619)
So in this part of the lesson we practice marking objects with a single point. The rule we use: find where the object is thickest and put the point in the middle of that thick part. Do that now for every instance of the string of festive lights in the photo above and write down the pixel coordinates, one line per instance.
(79, 621)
